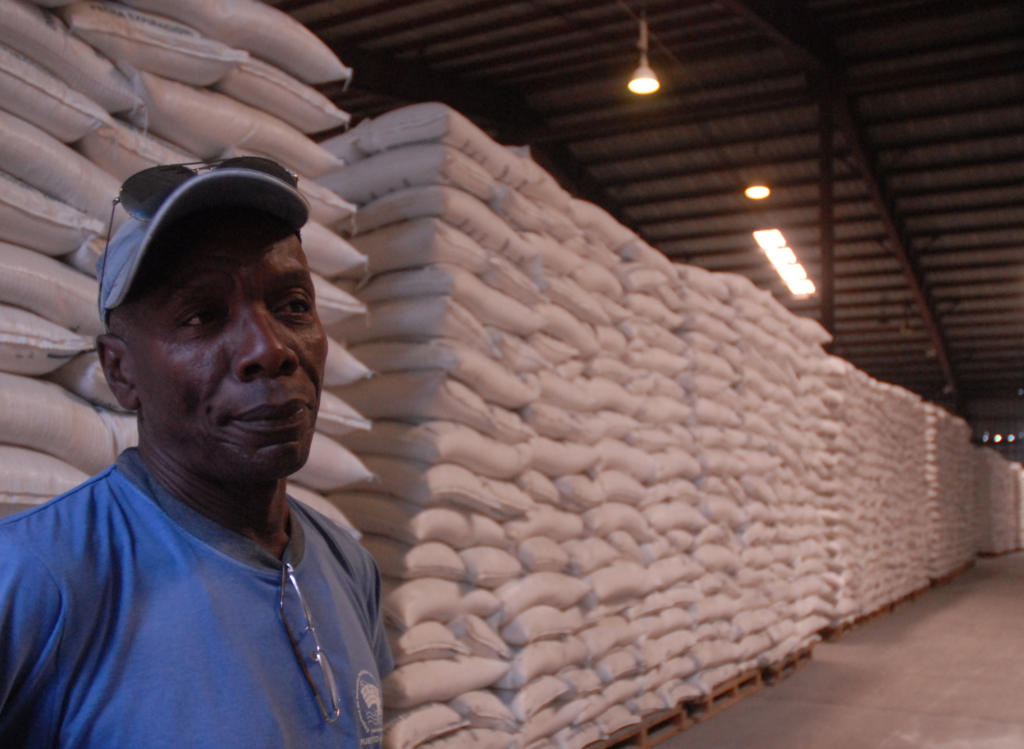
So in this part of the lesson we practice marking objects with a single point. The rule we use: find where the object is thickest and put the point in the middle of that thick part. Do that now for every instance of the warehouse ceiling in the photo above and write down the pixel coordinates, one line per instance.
(890, 131)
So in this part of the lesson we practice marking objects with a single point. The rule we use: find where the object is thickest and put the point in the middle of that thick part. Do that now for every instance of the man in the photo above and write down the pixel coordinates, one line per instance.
(180, 598)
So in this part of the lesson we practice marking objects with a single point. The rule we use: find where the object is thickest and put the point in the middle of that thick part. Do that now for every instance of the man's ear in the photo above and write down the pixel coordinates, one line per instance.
(116, 360)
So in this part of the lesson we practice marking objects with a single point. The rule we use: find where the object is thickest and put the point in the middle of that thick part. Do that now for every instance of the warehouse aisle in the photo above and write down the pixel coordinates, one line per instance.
(944, 671)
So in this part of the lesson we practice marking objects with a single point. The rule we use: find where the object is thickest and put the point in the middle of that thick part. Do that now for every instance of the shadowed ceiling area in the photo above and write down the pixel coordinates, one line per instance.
(891, 133)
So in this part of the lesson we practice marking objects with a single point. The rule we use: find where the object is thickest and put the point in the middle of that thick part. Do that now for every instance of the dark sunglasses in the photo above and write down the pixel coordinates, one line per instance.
(144, 192)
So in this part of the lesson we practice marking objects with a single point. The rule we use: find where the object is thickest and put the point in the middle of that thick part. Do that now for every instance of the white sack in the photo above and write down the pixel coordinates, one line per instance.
(542, 554)
(561, 458)
(483, 709)
(425, 642)
(330, 466)
(422, 241)
(489, 567)
(42, 161)
(121, 150)
(443, 484)
(542, 657)
(479, 636)
(329, 254)
(336, 418)
(332, 303)
(416, 165)
(31, 219)
(408, 562)
(35, 95)
(84, 377)
(549, 588)
(490, 306)
(488, 377)
(434, 122)
(42, 37)
(152, 43)
(341, 368)
(31, 345)
(426, 395)
(541, 622)
(405, 522)
(49, 288)
(265, 87)
(319, 503)
(207, 124)
(458, 208)
(29, 477)
(414, 320)
(263, 30)
(43, 416)
(436, 442)
(415, 727)
(432, 599)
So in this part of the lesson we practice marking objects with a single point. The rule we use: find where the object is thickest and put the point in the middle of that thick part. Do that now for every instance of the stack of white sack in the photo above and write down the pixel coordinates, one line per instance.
(757, 436)
(454, 328)
(998, 491)
(77, 82)
(498, 304)
(881, 476)
(949, 471)
(1018, 470)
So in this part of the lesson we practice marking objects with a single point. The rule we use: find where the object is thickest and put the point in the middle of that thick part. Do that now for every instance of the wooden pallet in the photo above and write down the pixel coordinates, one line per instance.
(993, 554)
(837, 632)
(776, 672)
(726, 694)
(654, 729)
(951, 576)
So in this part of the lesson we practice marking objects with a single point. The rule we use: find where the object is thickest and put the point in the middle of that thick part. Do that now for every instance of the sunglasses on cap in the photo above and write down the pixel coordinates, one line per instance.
(144, 192)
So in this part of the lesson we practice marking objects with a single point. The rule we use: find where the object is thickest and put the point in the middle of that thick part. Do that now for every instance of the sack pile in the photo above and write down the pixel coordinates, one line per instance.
(91, 92)
(953, 521)
(605, 482)
(999, 502)
(1018, 470)
(880, 475)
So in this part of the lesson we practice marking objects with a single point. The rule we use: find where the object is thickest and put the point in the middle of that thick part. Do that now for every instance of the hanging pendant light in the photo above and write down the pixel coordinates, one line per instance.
(644, 81)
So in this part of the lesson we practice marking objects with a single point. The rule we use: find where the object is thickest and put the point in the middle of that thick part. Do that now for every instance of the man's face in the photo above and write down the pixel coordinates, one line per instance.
(225, 355)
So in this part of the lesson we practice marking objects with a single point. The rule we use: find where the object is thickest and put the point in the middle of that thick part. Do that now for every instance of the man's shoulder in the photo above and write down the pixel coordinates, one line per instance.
(65, 524)
(339, 540)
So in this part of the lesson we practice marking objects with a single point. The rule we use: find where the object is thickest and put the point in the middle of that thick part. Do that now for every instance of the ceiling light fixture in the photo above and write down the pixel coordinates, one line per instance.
(644, 81)
(757, 192)
(784, 260)
(780, 256)
(769, 239)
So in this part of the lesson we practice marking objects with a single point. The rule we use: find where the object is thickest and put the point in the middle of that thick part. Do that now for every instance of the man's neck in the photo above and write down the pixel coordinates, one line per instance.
(257, 510)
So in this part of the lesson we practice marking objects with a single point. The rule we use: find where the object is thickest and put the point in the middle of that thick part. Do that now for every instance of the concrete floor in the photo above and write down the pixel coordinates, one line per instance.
(943, 671)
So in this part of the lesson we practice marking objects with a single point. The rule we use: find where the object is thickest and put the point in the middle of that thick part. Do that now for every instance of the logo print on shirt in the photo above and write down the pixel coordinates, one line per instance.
(368, 702)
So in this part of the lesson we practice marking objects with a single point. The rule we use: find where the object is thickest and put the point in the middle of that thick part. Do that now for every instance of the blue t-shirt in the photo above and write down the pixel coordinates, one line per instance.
(128, 620)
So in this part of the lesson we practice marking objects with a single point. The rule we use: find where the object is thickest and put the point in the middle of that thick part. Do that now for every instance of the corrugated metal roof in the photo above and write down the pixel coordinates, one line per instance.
(927, 103)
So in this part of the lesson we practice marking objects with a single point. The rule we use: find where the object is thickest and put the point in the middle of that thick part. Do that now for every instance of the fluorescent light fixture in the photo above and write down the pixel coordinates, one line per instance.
(803, 287)
(757, 192)
(780, 256)
(791, 272)
(769, 238)
(785, 262)
(644, 80)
